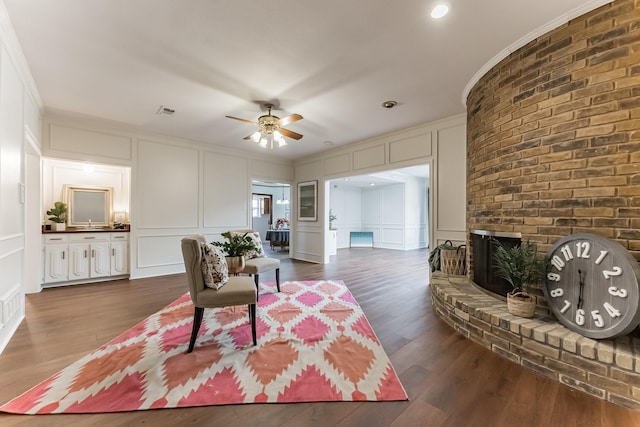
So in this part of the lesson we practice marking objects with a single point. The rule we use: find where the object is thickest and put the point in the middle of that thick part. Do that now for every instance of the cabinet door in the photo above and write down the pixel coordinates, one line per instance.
(56, 263)
(119, 258)
(333, 242)
(78, 261)
(100, 260)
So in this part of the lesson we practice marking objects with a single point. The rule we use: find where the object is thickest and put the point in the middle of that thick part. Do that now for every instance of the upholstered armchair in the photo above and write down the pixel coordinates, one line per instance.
(258, 264)
(238, 290)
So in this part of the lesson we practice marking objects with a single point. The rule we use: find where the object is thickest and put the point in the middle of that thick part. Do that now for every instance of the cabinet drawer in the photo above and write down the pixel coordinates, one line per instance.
(119, 237)
(88, 237)
(55, 238)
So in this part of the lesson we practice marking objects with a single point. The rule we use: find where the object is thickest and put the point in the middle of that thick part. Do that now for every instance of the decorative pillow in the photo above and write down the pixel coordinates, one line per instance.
(259, 253)
(214, 266)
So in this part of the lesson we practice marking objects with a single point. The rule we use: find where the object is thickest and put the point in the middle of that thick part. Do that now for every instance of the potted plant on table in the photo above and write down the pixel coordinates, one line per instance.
(521, 266)
(58, 215)
(236, 247)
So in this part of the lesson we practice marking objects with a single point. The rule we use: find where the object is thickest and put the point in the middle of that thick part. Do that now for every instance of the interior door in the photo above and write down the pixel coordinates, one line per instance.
(262, 213)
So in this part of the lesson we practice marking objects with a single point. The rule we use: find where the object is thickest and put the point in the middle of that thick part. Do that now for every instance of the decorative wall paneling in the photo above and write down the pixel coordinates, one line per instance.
(410, 147)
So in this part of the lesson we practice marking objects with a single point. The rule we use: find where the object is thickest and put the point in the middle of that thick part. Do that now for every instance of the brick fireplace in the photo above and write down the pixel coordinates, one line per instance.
(553, 148)
(553, 134)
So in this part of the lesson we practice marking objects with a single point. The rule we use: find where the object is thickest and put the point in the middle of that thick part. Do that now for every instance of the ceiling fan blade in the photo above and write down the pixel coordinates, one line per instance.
(290, 133)
(289, 119)
(242, 120)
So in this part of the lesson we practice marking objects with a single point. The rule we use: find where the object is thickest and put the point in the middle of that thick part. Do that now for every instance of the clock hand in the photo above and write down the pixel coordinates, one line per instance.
(580, 301)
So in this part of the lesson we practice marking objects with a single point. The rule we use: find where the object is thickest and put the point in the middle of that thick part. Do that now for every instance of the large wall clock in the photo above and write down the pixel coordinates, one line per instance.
(592, 286)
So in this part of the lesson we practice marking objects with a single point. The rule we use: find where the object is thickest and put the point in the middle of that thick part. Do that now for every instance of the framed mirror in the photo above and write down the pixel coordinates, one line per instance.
(307, 201)
(88, 206)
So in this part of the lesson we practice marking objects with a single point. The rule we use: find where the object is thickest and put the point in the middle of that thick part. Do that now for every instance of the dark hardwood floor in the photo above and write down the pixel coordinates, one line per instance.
(450, 380)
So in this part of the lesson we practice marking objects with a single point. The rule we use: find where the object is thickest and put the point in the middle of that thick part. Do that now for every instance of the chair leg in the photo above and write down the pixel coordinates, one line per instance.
(278, 279)
(252, 318)
(256, 278)
(197, 321)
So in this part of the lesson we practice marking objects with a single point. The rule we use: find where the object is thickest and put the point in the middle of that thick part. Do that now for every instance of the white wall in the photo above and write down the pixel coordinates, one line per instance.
(58, 173)
(19, 155)
(450, 183)
(181, 187)
(178, 187)
(278, 210)
(396, 214)
(441, 145)
(346, 203)
(416, 217)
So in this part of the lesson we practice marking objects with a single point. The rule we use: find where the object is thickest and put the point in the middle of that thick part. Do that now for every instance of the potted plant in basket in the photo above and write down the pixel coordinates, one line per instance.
(521, 266)
(236, 247)
(58, 215)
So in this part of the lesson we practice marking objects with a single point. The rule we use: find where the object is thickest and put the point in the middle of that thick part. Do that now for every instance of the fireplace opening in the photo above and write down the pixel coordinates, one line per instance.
(483, 243)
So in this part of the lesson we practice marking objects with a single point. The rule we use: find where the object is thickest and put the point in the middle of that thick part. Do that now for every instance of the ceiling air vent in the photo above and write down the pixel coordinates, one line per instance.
(165, 111)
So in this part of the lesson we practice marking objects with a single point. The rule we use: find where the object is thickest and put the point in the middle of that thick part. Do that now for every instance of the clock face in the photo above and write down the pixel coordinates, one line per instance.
(592, 286)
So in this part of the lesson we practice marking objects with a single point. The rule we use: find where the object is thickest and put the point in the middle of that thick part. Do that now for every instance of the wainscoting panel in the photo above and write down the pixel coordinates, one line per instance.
(74, 140)
(369, 157)
(11, 304)
(265, 170)
(308, 245)
(226, 191)
(409, 148)
(168, 186)
(337, 164)
(391, 237)
(160, 251)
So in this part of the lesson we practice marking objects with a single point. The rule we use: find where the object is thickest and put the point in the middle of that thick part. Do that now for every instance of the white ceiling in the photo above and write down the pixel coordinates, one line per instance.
(332, 61)
(383, 178)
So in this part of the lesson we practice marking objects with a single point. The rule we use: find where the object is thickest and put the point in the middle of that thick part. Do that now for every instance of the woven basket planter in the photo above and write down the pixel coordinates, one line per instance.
(521, 304)
(452, 261)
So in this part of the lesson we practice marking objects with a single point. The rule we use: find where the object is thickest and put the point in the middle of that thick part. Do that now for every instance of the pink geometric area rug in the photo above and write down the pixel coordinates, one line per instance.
(314, 344)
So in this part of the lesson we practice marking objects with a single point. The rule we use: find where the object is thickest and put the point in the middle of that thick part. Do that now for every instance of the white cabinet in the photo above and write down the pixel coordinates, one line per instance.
(333, 242)
(78, 261)
(78, 257)
(119, 254)
(56, 258)
(100, 260)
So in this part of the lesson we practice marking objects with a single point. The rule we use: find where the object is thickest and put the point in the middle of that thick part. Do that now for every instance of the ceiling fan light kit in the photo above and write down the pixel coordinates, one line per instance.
(271, 129)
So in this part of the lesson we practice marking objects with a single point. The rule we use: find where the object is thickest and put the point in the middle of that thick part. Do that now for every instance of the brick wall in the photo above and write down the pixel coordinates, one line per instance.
(553, 134)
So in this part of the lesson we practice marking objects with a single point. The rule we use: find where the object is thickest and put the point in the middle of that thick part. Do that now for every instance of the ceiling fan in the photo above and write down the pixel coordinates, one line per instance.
(271, 128)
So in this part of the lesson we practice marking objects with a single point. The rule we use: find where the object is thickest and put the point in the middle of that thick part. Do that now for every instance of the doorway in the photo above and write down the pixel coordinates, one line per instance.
(278, 196)
(261, 212)
(394, 205)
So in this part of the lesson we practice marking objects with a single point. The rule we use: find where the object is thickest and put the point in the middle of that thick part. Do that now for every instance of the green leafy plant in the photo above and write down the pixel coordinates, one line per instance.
(236, 244)
(332, 218)
(520, 265)
(58, 213)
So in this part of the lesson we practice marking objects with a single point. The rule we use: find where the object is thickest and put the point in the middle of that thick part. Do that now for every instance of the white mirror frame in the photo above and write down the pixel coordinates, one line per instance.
(96, 214)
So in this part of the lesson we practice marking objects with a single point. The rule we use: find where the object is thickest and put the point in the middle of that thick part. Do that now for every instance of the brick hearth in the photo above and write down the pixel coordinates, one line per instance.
(606, 369)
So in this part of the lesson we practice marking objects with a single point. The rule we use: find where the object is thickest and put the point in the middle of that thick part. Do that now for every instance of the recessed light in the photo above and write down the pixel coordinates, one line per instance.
(372, 184)
(328, 143)
(389, 104)
(439, 11)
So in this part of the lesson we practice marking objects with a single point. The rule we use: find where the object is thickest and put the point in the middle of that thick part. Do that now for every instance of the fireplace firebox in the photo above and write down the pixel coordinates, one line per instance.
(483, 243)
